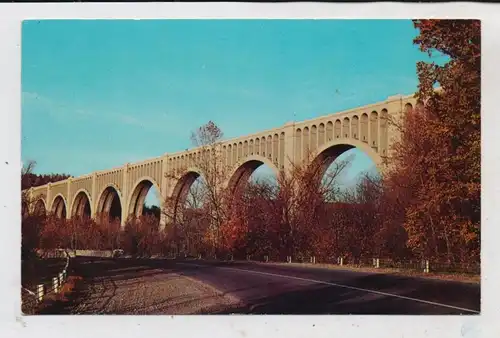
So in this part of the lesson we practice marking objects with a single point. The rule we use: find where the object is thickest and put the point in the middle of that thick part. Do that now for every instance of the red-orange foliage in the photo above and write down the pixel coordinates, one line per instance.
(437, 161)
(141, 236)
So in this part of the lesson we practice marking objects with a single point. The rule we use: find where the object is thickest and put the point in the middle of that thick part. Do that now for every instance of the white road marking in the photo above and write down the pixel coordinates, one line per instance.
(337, 285)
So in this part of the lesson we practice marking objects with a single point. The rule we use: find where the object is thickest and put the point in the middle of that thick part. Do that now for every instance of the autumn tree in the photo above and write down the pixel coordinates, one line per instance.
(213, 171)
(438, 156)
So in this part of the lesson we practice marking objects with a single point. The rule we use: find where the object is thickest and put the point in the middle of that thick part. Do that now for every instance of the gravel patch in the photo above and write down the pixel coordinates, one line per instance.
(151, 291)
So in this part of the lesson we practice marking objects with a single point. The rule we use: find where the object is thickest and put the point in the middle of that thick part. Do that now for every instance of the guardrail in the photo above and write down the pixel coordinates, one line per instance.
(31, 299)
(418, 265)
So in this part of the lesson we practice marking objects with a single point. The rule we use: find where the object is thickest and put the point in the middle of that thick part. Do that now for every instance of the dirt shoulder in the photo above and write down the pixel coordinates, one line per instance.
(112, 287)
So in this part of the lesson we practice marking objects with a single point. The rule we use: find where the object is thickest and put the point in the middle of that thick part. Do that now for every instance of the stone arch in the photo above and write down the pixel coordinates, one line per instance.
(181, 190)
(355, 127)
(321, 134)
(346, 127)
(408, 108)
(338, 128)
(82, 205)
(363, 133)
(241, 173)
(269, 147)
(384, 127)
(245, 148)
(329, 131)
(59, 206)
(306, 148)
(275, 155)
(137, 198)
(314, 137)
(330, 151)
(110, 202)
(298, 144)
(374, 129)
(240, 151)
(40, 207)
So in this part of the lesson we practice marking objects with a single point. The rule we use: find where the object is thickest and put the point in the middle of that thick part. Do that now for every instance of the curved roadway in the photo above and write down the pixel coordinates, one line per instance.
(137, 286)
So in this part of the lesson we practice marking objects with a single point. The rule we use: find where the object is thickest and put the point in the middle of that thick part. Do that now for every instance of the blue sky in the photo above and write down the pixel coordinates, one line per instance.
(99, 93)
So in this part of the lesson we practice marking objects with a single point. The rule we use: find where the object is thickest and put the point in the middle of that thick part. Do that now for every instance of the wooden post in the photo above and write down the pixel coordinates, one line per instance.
(341, 261)
(426, 269)
(55, 284)
(60, 281)
(39, 292)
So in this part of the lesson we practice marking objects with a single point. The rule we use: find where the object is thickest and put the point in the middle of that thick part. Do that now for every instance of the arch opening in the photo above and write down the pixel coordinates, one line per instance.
(40, 209)
(59, 207)
(186, 194)
(81, 206)
(109, 206)
(144, 200)
(340, 167)
(152, 202)
(253, 171)
(24, 209)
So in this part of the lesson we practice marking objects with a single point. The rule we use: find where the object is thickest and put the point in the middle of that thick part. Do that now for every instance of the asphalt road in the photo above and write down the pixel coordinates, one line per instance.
(283, 289)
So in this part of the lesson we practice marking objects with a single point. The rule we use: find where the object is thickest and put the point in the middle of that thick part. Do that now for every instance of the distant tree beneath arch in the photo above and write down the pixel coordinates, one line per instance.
(151, 210)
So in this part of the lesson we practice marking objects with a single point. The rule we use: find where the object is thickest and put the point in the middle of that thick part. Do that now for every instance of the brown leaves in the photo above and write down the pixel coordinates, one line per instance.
(437, 161)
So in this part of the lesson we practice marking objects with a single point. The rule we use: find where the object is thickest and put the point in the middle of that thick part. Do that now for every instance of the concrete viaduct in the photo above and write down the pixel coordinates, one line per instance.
(121, 191)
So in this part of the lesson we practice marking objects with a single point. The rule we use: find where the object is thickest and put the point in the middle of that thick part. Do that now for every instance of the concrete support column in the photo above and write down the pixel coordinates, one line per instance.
(163, 191)
(49, 197)
(290, 145)
(69, 199)
(125, 196)
(369, 136)
(95, 202)
(379, 133)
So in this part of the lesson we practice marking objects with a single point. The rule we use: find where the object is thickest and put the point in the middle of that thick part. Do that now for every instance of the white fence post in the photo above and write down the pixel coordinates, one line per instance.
(341, 261)
(377, 263)
(313, 259)
(61, 279)
(289, 259)
(39, 292)
(55, 284)
(426, 269)
(248, 257)
(266, 258)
